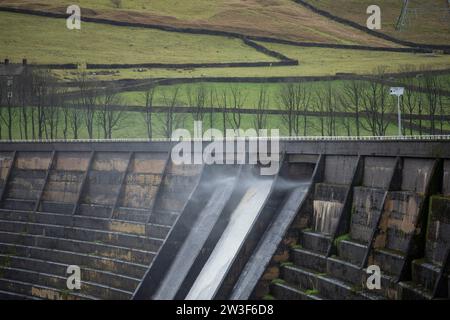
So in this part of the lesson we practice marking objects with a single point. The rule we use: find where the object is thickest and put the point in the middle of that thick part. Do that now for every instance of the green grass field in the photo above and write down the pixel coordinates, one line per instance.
(313, 62)
(47, 40)
(250, 92)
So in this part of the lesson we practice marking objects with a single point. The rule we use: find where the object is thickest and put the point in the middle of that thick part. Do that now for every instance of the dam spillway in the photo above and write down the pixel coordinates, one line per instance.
(241, 220)
(129, 217)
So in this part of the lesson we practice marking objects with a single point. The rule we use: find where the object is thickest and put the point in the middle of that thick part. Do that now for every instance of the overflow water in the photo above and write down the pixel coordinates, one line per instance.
(241, 221)
(255, 267)
(223, 189)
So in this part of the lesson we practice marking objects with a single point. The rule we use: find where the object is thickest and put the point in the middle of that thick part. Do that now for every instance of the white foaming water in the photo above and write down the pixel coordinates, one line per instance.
(196, 239)
(227, 247)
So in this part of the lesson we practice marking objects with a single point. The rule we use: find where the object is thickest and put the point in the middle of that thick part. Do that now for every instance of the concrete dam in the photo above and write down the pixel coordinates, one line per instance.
(139, 226)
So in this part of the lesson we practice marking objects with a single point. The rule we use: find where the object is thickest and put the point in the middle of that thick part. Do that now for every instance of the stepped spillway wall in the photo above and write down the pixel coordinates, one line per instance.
(116, 208)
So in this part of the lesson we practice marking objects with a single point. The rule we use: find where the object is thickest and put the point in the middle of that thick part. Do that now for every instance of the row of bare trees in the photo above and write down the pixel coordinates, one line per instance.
(41, 108)
(38, 108)
(369, 104)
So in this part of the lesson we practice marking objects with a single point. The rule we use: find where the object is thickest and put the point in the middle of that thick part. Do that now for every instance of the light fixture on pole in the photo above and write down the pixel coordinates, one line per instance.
(398, 91)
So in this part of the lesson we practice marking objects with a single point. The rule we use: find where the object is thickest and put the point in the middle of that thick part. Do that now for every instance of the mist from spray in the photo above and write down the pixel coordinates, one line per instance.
(219, 188)
(241, 221)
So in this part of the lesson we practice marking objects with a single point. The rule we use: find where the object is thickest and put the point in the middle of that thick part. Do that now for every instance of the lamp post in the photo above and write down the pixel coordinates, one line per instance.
(398, 91)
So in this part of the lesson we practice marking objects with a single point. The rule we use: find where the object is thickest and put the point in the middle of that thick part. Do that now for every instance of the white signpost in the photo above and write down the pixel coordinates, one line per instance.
(398, 91)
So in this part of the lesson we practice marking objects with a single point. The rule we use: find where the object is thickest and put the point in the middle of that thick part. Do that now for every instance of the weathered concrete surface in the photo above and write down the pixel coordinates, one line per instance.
(367, 207)
(125, 210)
(438, 233)
(378, 172)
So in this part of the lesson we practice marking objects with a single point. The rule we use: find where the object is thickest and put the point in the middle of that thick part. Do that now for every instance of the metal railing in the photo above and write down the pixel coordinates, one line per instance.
(280, 138)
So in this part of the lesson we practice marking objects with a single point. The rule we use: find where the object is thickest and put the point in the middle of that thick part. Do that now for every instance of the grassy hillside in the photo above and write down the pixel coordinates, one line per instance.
(276, 18)
(431, 24)
(47, 40)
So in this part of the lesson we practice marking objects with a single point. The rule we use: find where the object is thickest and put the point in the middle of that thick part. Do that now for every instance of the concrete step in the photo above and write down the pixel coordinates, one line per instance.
(326, 286)
(94, 210)
(74, 258)
(313, 241)
(309, 260)
(4, 295)
(332, 288)
(129, 214)
(300, 278)
(56, 207)
(60, 283)
(138, 228)
(351, 251)
(283, 291)
(411, 291)
(343, 270)
(106, 237)
(90, 275)
(25, 184)
(389, 262)
(119, 253)
(134, 228)
(18, 204)
(163, 217)
(425, 274)
(36, 291)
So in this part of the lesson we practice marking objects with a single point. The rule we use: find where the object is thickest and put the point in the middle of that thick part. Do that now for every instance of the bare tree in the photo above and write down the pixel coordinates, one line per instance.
(222, 101)
(197, 101)
(351, 100)
(347, 122)
(107, 119)
(52, 110)
(410, 97)
(212, 108)
(75, 119)
(446, 100)
(330, 108)
(42, 83)
(149, 95)
(169, 120)
(291, 99)
(86, 102)
(326, 104)
(431, 84)
(66, 115)
(24, 89)
(306, 94)
(320, 107)
(260, 120)
(376, 108)
(8, 101)
(237, 100)
(443, 111)
(3, 93)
